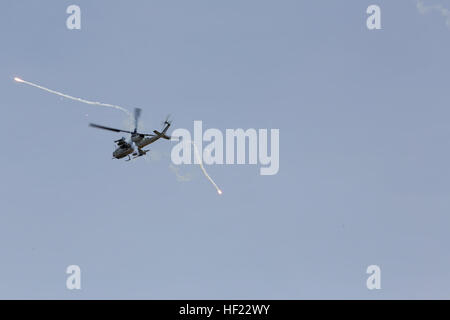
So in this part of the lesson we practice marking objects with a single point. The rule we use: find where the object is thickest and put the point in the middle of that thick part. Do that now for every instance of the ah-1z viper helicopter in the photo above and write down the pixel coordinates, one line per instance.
(140, 140)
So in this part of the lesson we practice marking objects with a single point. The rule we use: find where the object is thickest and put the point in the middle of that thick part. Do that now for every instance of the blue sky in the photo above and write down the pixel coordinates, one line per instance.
(364, 150)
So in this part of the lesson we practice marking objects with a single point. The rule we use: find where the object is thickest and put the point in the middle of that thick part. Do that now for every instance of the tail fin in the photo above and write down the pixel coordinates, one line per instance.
(161, 135)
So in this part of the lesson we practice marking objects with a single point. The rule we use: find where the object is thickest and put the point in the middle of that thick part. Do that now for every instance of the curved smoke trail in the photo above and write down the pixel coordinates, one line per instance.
(200, 162)
(74, 98)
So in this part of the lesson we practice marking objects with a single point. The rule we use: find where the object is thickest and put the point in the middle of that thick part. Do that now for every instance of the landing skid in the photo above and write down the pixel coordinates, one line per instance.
(139, 154)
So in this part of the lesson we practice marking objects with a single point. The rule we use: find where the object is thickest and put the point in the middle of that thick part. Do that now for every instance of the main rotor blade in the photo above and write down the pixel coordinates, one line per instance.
(146, 134)
(137, 113)
(108, 128)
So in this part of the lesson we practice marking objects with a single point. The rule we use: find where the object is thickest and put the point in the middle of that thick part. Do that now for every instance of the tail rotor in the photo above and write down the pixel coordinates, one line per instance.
(167, 121)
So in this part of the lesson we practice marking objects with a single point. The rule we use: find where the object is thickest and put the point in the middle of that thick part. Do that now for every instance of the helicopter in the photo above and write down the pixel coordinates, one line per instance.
(140, 140)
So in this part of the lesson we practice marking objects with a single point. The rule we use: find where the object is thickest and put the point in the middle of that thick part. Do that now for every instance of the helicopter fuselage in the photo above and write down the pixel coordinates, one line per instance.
(138, 140)
(145, 141)
(121, 152)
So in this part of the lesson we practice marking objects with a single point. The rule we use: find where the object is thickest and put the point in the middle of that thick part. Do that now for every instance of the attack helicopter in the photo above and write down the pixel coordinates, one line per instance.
(137, 139)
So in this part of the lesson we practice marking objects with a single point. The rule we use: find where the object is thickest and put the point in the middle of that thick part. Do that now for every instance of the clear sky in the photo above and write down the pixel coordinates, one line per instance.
(364, 150)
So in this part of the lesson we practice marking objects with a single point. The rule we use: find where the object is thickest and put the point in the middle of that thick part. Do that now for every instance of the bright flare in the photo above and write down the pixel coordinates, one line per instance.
(219, 191)
(18, 79)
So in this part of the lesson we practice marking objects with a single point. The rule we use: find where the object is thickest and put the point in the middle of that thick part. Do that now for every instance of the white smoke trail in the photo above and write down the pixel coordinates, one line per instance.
(180, 177)
(200, 162)
(425, 8)
(74, 98)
